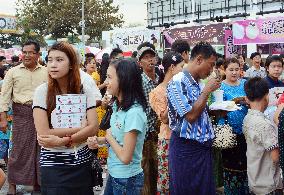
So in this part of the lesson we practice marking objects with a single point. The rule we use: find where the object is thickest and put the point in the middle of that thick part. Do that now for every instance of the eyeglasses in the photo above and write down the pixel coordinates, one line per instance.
(29, 53)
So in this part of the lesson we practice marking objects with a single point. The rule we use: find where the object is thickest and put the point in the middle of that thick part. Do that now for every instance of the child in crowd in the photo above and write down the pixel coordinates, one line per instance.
(262, 142)
(128, 128)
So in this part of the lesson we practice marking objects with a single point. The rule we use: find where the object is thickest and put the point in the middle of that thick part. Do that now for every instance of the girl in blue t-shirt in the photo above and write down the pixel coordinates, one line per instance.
(128, 128)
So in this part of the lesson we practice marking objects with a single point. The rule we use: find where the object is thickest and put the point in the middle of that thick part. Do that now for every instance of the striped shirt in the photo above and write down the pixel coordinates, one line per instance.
(64, 158)
(182, 92)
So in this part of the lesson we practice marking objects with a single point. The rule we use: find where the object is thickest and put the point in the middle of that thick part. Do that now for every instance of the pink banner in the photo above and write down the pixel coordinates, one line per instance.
(231, 50)
(260, 31)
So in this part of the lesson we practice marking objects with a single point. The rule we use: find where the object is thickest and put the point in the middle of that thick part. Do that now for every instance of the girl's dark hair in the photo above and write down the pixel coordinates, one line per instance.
(130, 83)
(170, 58)
(229, 61)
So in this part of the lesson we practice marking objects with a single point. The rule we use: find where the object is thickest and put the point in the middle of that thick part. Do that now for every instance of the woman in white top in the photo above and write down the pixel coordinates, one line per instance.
(65, 160)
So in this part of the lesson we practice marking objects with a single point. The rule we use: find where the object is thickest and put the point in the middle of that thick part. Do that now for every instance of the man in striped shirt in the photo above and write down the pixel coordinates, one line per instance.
(190, 158)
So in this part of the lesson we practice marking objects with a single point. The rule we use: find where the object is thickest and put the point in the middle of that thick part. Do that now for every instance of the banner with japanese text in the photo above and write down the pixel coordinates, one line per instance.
(260, 31)
(129, 39)
(231, 50)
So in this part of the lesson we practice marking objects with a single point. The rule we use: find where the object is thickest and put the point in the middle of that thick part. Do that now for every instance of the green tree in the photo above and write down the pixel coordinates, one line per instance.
(62, 17)
(7, 40)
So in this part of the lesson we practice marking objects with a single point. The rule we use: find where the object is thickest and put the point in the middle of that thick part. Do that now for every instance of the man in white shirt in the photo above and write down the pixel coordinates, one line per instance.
(256, 70)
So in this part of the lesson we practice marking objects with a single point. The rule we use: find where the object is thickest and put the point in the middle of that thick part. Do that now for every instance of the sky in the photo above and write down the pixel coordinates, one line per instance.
(134, 10)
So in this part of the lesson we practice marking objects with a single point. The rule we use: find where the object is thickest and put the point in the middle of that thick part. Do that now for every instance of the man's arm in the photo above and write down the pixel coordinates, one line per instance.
(275, 155)
(201, 102)
(182, 103)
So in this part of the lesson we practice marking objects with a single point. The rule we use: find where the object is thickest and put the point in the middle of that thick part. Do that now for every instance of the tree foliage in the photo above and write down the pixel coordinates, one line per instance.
(62, 17)
(8, 40)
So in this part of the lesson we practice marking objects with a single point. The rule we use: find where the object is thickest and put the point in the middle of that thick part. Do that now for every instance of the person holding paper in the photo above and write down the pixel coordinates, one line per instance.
(128, 129)
(65, 159)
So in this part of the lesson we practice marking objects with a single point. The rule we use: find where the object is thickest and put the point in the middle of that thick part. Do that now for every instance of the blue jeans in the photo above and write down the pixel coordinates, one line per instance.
(122, 186)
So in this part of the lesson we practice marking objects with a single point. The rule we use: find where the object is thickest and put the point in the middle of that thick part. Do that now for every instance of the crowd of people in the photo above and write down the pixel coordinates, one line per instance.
(147, 118)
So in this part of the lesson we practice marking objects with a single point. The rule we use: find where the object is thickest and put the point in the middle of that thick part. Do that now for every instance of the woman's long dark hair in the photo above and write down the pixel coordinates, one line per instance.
(130, 83)
(103, 70)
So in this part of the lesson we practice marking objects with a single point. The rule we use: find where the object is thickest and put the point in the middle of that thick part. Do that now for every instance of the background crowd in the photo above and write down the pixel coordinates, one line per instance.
(160, 128)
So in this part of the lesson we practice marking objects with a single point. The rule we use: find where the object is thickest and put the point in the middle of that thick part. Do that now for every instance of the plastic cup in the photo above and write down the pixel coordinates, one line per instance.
(218, 95)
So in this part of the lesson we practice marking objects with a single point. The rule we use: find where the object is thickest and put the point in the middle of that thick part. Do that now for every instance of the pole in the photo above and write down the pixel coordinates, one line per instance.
(83, 28)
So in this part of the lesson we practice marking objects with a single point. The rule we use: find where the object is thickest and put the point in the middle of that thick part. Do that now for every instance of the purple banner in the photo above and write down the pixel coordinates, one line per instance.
(213, 33)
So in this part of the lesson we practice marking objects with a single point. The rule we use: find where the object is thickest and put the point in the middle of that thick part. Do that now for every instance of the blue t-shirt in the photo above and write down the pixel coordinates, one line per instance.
(122, 122)
(235, 118)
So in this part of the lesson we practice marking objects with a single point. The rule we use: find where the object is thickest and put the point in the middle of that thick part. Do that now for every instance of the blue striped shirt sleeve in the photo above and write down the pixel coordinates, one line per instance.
(178, 97)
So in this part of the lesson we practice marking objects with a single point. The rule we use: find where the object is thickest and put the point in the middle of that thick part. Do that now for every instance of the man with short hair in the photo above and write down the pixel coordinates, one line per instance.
(116, 54)
(18, 87)
(190, 149)
(182, 47)
(255, 70)
(146, 57)
(2, 67)
(158, 71)
(274, 68)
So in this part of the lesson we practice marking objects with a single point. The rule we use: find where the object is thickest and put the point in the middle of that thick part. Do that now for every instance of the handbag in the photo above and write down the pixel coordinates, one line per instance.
(97, 171)
(105, 123)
